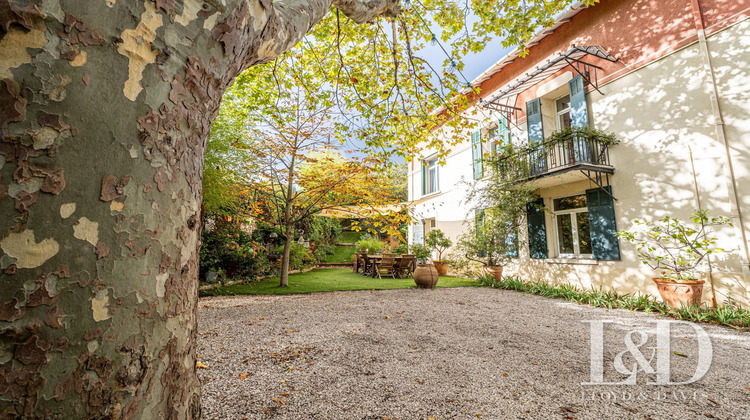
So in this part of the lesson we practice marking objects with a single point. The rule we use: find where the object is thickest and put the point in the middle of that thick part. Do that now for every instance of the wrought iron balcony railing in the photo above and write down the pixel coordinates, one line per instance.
(573, 152)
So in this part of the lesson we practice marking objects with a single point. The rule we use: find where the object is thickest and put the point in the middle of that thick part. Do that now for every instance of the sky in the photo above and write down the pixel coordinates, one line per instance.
(474, 65)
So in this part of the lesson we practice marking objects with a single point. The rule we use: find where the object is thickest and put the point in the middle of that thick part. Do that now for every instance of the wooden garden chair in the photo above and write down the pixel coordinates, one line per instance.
(388, 264)
(366, 265)
(356, 266)
(405, 266)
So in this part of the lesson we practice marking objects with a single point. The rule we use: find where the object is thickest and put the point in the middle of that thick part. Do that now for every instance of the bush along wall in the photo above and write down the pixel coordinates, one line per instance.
(729, 315)
(230, 253)
(227, 252)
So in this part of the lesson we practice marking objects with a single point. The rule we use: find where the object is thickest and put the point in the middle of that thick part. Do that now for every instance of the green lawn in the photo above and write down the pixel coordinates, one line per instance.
(350, 237)
(341, 254)
(328, 280)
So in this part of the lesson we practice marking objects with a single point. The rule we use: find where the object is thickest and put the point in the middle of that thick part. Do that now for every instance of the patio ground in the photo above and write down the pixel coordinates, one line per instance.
(447, 353)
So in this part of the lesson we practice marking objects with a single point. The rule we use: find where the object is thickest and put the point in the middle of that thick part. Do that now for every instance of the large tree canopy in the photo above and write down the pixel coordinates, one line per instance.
(105, 109)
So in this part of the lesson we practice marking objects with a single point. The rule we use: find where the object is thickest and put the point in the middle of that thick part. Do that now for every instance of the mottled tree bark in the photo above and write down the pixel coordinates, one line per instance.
(105, 108)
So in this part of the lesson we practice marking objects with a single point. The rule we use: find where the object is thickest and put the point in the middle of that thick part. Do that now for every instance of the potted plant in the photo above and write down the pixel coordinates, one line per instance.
(492, 242)
(679, 251)
(425, 275)
(438, 242)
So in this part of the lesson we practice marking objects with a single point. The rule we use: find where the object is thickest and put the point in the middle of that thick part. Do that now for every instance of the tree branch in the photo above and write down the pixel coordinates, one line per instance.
(289, 21)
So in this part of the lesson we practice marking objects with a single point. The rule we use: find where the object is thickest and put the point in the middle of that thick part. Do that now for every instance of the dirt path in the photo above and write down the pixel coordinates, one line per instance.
(449, 353)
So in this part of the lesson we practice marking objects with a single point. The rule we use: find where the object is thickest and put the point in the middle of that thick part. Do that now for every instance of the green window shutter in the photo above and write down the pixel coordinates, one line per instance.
(511, 244)
(538, 156)
(478, 225)
(534, 120)
(602, 226)
(478, 219)
(537, 229)
(424, 178)
(579, 116)
(503, 134)
(476, 153)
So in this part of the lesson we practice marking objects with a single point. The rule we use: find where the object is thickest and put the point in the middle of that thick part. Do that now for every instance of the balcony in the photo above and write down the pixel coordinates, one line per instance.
(573, 157)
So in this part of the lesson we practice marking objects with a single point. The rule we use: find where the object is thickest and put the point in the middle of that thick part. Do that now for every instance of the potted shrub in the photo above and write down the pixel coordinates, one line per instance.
(678, 251)
(425, 275)
(438, 242)
(492, 242)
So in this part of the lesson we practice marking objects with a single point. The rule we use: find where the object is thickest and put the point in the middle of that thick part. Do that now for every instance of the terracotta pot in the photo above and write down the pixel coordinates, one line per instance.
(677, 293)
(495, 271)
(425, 276)
(441, 267)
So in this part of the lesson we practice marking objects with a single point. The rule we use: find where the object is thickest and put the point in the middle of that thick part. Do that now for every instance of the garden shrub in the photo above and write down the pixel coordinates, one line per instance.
(232, 253)
(402, 248)
(323, 233)
(299, 256)
(731, 315)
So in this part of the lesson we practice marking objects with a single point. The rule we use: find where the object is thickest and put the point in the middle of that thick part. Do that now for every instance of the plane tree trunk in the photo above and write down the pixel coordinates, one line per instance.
(105, 108)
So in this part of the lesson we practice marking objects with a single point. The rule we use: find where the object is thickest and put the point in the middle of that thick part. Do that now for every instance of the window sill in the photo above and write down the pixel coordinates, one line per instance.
(572, 261)
(432, 194)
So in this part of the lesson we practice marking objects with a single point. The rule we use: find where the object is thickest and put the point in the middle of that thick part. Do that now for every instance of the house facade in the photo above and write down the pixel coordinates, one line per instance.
(671, 79)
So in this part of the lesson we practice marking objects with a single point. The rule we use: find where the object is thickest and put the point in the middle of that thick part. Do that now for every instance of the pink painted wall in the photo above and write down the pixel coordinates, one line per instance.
(634, 31)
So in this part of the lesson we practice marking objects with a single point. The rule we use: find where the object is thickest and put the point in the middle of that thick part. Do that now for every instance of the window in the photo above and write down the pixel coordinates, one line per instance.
(562, 106)
(429, 225)
(572, 226)
(430, 182)
(493, 135)
(418, 232)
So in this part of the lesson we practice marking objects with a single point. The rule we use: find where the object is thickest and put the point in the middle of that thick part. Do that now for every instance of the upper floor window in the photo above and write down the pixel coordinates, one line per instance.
(570, 110)
(430, 181)
(493, 134)
(562, 106)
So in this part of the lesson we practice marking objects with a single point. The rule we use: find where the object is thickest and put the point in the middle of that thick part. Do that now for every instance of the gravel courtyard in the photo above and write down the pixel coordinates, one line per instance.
(449, 353)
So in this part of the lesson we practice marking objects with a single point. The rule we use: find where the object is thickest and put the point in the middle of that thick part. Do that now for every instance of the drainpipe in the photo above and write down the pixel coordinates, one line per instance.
(700, 208)
(734, 196)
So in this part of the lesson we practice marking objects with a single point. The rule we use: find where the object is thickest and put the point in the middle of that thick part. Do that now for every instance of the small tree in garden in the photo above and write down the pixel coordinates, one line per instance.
(421, 252)
(300, 171)
(675, 248)
(437, 241)
(228, 164)
(499, 205)
(492, 240)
